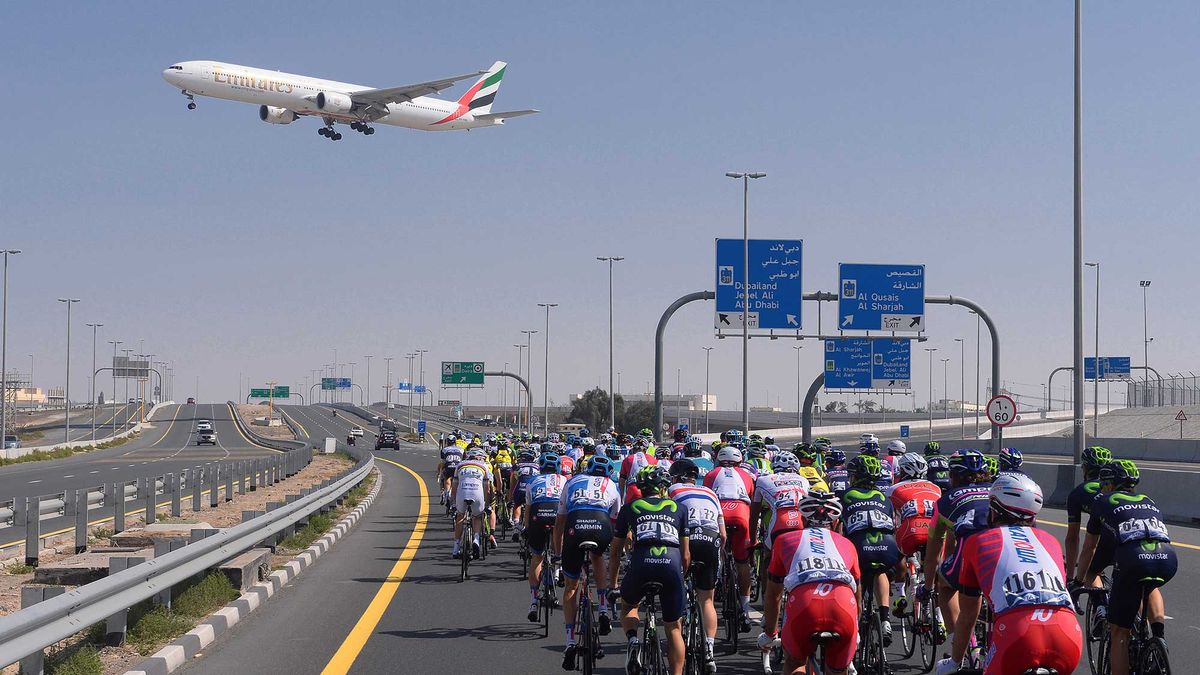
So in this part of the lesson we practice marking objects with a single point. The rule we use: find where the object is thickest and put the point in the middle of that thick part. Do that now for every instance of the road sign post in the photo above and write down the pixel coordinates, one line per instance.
(904, 431)
(1110, 367)
(881, 297)
(1002, 410)
(1181, 417)
(464, 373)
(868, 363)
(775, 293)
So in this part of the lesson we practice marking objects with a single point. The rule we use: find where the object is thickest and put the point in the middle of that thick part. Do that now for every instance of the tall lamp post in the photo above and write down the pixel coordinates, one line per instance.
(1077, 236)
(612, 396)
(421, 376)
(4, 350)
(962, 388)
(368, 390)
(529, 372)
(707, 356)
(745, 177)
(114, 344)
(388, 392)
(67, 390)
(929, 407)
(546, 371)
(1145, 283)
(94, 326)
(799, 401)
(1096, 379)
(520, 390)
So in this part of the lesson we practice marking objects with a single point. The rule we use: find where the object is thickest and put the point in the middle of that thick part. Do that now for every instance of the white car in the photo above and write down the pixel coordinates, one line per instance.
(356, 432)
(204, 425)
(868, 438)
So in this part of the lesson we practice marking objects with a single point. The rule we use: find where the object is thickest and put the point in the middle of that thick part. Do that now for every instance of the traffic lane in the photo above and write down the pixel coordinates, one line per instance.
(302, 626)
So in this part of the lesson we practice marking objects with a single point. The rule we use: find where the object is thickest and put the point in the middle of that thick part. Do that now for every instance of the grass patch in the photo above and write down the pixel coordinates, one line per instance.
(359, 492)
(27, 436)
(151, 627)
(102, 532)
(318, 524)
(63, 453)
(18, 568)
(84, 660)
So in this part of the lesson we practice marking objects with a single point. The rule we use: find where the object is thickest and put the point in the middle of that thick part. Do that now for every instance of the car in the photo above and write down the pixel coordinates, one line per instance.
(191, 401)
(206, 437)
(868, 438)
(387, 439)
(11, 442)
(356, 432)
(203, 425)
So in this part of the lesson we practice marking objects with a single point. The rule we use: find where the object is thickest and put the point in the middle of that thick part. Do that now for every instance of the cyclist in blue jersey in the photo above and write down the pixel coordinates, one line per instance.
(543, 493)
(836, 474)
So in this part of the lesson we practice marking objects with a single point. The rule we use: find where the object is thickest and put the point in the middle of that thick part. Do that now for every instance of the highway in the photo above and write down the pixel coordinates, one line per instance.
(386, 599)
(110, 419)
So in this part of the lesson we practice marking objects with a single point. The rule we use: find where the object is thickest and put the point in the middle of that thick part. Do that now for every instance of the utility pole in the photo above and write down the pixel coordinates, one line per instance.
(745, 177)
(94, 326)
(546, 372)
(67, 390)
(4, 351)
(707, 355)
(612, 396)
(929, 407)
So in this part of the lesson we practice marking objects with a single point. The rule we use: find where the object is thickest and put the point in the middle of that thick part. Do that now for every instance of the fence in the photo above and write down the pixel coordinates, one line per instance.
(1172, 390)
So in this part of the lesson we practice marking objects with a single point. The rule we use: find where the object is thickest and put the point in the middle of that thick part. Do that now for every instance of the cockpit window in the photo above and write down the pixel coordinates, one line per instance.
(176, 68)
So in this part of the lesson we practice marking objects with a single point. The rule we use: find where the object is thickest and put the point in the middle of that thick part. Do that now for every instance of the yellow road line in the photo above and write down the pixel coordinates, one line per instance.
(160, 438)
(353, 645)
(233, 411)
(1176, 544)
(294, 421)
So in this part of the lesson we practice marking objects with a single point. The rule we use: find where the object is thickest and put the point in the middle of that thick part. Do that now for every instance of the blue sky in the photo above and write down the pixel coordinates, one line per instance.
(935, 133)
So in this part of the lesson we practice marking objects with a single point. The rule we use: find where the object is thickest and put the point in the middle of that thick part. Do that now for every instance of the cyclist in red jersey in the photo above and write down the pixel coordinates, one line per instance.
(734, 487)
(914, 500)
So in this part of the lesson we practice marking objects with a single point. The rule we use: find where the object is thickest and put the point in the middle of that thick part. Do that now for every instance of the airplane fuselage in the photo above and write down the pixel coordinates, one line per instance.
(298, 93)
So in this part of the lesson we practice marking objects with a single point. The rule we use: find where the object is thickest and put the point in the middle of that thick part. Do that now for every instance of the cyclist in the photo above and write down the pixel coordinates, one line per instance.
(706, 535)
(586, 510)
(993, 468)
(657, 528)
(939, 466)
(663, 454)
(895, 450)
(959, 513)
(451, 457)
(734, 486)
(818, 568)
(503, 460)
(472, 480)
(836, 475)
(809, 460)
(543, 492)
(913, 500)
(777, 496)
(871, 449)
(1010, 460)
(1079, 501)
(528, 466)
(869, 525)
(822, 446)
(1143, 554)
(756, 459)
(695, 451)
(1018, 566)
(642, 456)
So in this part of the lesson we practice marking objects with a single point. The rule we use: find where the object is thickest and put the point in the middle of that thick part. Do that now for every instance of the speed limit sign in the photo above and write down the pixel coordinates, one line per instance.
(1002, 410)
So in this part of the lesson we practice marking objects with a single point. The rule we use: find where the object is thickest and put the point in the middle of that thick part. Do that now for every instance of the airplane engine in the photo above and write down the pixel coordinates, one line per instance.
(273, 115)
(334, 103)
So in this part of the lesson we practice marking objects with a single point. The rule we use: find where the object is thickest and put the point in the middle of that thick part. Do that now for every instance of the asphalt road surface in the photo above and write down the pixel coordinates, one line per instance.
(386, 599)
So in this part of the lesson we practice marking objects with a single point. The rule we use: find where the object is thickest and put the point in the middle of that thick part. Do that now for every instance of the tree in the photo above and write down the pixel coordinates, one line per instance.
(869, 406)
(592, 409)
(636, 417)
(842, 408)
(831, 407)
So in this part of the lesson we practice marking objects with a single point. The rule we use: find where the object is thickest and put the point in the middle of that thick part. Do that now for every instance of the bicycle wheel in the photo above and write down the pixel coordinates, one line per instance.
(874, 662)
(547, 596)
(584, 627)
(464, 549)
(1093, 626)
(926, 628)
(731, 612)
(1153, 659)
(908, 632)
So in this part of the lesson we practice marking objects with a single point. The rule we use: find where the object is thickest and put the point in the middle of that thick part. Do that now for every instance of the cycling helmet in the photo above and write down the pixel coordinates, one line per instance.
(606, 439)
(1015, 497)
(588, 442)
(822, 444)
(641, 443)
(864, 469)
(662, 452)
(933, 449)
(807, 456)
(599, 465)
(820, 509)
(685, 469)
(651, 478)
(993, 466)
(835, 457)
(870, 448)
(729, 455)
(502, 442)
(550, 463)
(679, 436)
(547, 447)
(1120, 472)
(897, 448)
(475, 454)
(785, 461)
(755, 437)
(646, 433)
(912, 466)
(693, 445)
(526, 456)
(450, 439)
(1096, 456)
(756, 452)
(797, 448)
(967, 462)
(584, 432)
(716, 446)
(1010, 459)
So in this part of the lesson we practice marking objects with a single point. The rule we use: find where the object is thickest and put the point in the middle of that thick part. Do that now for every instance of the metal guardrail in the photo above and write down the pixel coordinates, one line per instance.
(31, 630)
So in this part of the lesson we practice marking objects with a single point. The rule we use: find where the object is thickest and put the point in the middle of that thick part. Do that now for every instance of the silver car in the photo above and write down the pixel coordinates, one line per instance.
(11, 442)
(204, 425)
(208, 437)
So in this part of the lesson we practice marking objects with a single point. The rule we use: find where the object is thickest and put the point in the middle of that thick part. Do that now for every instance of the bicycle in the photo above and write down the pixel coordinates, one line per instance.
(981, 636)
(466, 542)
(653, 660)
(908, 620)
(928, 630)
(1095, 627)
(775, 653)
(485, 537)
(585, 621)
(731, 605)
(871, 656)
(1147, 654)
(500, 505)
(694, 635)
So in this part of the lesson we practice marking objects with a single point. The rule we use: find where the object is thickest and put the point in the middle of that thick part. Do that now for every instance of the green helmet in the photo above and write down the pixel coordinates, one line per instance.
(1120, 472)
(993, 465)
(822, 444)
(1096, 456)
(864, 469)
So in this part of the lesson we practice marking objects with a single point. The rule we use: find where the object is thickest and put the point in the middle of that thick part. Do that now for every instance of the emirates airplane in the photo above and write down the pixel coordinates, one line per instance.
(283, 98)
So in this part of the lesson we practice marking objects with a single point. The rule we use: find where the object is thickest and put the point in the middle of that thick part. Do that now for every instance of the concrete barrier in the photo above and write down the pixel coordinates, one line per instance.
(1174, 491)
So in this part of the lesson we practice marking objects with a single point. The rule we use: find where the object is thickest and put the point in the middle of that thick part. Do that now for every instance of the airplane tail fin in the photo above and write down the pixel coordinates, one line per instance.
(479, 97)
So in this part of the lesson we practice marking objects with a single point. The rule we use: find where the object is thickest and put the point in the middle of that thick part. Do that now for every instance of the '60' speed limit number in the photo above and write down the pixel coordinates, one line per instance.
(1002, 410)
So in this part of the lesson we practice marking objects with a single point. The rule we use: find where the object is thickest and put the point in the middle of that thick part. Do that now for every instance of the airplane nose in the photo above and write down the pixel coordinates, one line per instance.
(171, 75)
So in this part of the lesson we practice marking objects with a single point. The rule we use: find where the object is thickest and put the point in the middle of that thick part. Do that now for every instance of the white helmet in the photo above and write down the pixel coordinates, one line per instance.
(897, 447)
(820, 508)
(1016, 496)
(729, 454)
(912, 465)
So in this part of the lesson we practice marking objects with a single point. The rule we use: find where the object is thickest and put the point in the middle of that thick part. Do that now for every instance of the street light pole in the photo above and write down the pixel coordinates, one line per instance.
(529, 373)
(388, 392)
(94, 326)
(799, 401)
(1096, 379)
(367, 392)
(745, 177)
(4, 351)
(929, 407)
(421, 376)
(114, 343)
(1145, 283)
(546, 371)
(946, 387)
(612, 396)
(962, 388)
(707, 355)
(67, 390)
(1077, 260)
(520, 390)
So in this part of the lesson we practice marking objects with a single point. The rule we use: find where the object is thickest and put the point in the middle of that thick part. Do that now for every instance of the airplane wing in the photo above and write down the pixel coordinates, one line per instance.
(505, 115)
(382, 97)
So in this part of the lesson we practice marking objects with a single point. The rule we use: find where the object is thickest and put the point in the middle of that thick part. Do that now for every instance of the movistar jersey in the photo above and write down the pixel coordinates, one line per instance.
(866, 509)
(652, 523)
(1128, 517)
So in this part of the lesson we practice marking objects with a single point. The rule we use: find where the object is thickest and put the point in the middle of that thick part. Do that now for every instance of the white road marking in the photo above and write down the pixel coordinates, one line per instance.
(35, 481)
(96, 471)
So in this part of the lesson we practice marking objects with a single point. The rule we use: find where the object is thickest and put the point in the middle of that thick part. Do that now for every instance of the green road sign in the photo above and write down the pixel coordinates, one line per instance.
(260, 393)
(462, 372)
(282, 392)
(328, 383)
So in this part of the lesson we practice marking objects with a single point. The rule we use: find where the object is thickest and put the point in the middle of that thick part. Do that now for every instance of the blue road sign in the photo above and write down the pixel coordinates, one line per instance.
(420, 426)
(775, 292)
(903, 431)
(421, 389)
(865, 363)
(1111, 367)
(404, 386)
(343, 383)
(881, 297)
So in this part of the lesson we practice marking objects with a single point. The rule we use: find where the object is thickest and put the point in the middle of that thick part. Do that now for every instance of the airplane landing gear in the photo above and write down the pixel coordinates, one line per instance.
(191, 99)
(362, 128)
(329, 133)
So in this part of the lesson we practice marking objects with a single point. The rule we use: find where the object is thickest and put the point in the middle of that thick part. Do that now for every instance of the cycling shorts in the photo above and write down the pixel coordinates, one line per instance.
(706, 558)
(519, 496)
(1135, 561)
(817, 607)
(541, 527)
(877, 550)
(1032, 637)
(581, 526)
(912, 536)
(478, 503)
(737, 527)
(951, 568)
(448, 472)
(666, 569)
(1105, 550)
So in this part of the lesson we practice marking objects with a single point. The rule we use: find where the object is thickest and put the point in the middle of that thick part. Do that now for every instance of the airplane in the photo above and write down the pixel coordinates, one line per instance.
(284, 98)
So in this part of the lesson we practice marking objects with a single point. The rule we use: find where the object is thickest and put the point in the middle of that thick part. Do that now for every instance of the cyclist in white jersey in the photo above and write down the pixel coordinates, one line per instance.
(472, 481)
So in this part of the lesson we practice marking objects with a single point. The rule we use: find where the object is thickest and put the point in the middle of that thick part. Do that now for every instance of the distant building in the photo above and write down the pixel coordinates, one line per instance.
(671, 401)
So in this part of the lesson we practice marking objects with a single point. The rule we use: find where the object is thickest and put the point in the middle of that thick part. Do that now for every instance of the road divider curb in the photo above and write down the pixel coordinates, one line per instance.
(184, 648)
